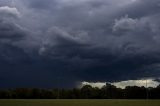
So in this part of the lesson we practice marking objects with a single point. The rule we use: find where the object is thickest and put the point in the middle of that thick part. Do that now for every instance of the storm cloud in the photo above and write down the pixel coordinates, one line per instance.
(57, 43)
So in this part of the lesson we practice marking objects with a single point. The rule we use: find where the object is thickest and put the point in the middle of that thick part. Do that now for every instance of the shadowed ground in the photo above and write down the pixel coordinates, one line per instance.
(48, 102)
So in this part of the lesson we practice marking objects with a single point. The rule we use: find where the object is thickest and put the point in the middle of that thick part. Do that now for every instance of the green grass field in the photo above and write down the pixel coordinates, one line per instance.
(79, 102)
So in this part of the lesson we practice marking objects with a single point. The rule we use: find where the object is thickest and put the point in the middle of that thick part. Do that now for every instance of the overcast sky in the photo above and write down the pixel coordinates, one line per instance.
(59, 43)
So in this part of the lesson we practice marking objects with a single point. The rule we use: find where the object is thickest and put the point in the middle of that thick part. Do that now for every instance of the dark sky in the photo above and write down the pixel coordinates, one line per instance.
(59, 43)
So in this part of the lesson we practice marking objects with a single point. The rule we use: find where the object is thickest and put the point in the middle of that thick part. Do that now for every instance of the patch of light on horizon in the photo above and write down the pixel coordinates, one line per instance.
(93, 84)
(148, 83)
(123, 84)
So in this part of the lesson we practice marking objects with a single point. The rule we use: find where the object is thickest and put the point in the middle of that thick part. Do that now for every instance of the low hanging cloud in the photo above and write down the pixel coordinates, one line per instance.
(74, 41)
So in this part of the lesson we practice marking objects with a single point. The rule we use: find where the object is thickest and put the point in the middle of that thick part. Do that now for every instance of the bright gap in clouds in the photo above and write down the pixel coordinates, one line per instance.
(123, 84)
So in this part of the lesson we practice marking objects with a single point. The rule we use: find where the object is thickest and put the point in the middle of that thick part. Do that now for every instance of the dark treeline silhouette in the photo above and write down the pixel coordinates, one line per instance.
(86, 92)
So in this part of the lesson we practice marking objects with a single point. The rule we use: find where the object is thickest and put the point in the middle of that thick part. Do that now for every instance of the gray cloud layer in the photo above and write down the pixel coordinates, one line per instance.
(68, 40)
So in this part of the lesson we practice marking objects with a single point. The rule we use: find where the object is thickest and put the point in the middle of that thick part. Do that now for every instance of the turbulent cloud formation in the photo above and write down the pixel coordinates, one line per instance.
(10, 32)
(57, 43)
(8, 12)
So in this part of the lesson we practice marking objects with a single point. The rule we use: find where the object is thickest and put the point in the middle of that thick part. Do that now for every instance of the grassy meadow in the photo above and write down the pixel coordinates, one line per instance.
(48, 102)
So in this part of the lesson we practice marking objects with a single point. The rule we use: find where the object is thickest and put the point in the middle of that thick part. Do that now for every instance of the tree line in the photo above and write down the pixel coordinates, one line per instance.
(86, 92)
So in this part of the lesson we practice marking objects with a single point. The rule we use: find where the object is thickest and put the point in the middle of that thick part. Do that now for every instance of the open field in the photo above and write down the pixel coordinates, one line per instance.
(48, 102)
